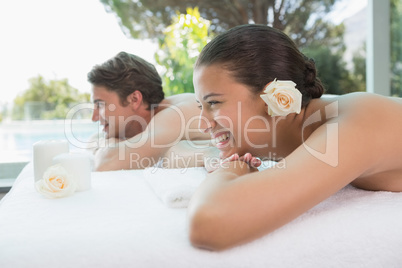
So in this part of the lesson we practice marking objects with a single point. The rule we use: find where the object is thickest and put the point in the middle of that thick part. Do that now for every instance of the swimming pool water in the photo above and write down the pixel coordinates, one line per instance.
(17, 138)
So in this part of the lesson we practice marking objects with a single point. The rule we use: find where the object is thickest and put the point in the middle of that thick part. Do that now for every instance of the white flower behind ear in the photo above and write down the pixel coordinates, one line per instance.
(56, 183)
(282, 98)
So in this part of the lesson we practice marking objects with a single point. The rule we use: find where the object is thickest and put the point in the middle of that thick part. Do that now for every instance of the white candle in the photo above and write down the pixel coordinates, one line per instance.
(78, 167)
(43, 153)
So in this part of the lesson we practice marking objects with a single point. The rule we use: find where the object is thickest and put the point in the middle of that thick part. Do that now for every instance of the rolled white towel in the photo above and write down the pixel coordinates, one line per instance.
(174, 186)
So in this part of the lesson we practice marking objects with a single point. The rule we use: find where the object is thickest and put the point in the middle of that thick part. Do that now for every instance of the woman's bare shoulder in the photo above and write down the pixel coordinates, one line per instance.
(370, 97)
(362, 123)
(363, 104)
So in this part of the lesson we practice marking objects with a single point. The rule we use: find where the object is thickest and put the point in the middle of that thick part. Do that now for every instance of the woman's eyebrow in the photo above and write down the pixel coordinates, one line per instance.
(211, 95)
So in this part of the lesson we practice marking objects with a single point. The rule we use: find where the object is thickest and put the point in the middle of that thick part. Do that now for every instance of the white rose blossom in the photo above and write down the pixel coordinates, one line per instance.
(56, 183)
(282, 98)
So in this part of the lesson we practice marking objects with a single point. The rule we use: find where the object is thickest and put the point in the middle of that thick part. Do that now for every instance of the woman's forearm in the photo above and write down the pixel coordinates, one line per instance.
(207, 209)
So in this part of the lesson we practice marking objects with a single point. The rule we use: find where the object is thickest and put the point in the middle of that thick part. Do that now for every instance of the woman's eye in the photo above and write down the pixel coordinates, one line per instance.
(211, 103)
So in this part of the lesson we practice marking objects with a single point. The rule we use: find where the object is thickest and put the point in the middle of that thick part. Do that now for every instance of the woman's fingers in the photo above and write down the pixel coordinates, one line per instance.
(255, 162)
(233, 157)
(247, 158)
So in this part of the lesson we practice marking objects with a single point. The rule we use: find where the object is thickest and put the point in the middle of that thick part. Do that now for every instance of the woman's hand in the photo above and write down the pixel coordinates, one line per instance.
(212, 164)
(248, 158)
(235, 167)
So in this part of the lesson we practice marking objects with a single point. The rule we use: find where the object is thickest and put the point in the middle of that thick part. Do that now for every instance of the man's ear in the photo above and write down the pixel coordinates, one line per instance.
(135, 99)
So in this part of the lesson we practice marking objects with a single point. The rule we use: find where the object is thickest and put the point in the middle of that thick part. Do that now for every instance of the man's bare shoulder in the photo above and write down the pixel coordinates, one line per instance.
(179, 113)
(183, 99)
(180, 106)
(184, 102)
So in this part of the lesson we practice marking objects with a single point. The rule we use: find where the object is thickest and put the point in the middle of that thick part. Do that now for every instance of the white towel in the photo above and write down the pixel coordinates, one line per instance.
(174, 186)
(266, 164)
(352, 228)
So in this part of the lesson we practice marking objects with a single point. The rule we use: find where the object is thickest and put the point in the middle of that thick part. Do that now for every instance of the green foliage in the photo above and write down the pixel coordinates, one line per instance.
(301, 19)
(3, 112)
(179, 48)
(46, 99)
(331, 68)
(396, 48)
(333, 72)
(359, 70)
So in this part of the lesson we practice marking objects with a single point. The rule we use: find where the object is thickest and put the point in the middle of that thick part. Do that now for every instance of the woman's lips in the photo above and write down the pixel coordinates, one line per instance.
(221, 140)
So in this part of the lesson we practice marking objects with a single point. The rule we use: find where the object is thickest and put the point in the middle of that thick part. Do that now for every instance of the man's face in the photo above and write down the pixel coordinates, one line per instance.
(108, 110)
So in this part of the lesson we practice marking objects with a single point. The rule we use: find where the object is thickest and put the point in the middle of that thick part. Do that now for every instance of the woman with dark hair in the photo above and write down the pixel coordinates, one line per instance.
(260, 98)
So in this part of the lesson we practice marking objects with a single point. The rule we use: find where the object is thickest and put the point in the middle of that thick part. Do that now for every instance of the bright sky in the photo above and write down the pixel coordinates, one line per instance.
(58, 39)
(345, 9)
(66, 38)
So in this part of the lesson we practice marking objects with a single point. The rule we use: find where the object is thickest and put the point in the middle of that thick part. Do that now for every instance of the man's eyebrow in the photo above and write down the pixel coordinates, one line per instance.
(211, 95)
(98, 100)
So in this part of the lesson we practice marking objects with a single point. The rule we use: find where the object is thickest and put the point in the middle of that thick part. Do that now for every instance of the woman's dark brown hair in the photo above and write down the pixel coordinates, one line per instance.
(257, 54)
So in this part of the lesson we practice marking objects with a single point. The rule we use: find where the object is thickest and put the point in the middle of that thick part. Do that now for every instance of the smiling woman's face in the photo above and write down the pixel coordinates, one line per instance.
(230, 112)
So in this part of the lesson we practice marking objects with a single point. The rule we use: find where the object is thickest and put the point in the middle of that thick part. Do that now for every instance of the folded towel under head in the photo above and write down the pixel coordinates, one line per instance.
(174, 186)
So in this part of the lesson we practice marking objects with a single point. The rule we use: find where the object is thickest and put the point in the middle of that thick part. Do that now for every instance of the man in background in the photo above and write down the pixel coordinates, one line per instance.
(141, 126)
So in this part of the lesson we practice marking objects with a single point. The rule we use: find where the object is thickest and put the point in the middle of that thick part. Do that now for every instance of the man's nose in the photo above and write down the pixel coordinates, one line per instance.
(95, 115)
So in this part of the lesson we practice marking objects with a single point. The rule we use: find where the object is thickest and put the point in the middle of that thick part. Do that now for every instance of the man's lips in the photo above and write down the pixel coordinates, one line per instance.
(105, 127)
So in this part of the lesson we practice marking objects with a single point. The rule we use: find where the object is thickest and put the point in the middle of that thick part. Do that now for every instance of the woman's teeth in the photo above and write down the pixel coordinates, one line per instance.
(222, 138)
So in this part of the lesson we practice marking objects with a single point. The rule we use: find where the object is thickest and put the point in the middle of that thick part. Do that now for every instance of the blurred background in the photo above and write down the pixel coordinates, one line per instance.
(48, 47)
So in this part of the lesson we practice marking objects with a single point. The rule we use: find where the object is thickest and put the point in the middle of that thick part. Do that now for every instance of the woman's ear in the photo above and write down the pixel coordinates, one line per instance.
(262, 105)
(135, 99)
(265, 107)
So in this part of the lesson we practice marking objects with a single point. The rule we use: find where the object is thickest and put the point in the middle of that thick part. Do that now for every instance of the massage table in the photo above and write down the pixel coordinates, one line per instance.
(125, 220)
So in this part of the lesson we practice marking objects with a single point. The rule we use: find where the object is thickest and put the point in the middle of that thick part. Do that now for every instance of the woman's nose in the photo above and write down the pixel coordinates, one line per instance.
(205, 123)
